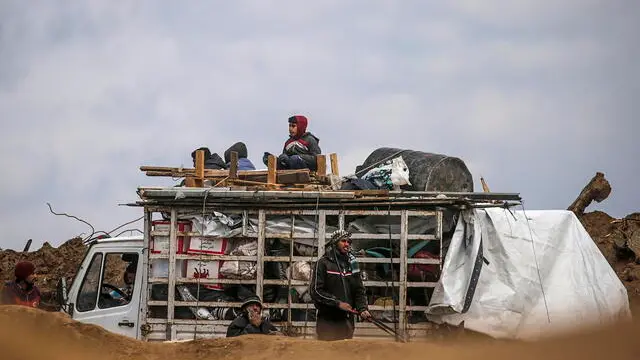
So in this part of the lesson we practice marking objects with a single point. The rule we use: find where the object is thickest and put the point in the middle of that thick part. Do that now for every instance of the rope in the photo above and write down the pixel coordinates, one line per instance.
(431, 171)
(544, 296)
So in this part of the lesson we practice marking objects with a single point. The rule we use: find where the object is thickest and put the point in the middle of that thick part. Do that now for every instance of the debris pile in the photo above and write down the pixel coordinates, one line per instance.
(619, 241)
(51, 265)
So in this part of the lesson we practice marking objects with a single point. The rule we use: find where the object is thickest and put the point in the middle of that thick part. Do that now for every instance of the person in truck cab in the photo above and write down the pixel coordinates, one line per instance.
(300, 149)
(243, 162)
(250, 320)
(338, 291)
(22, 291)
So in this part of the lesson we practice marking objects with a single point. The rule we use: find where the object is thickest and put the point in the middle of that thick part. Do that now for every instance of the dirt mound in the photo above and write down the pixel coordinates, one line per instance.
(51, 264)
(33, 334)
(618, 240)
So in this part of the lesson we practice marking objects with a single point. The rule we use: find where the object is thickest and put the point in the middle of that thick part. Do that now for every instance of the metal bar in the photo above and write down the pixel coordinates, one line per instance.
(369, 260)
(404, 231)
(439, 234)
(173, 245)
(350, 212)
(341, 221)
(310, 324)
(262, 220)
(245, 223)
(289, 300)
(207, 257)
(468, 195)
(225, 193)
(201, 281)
(225, 304)
(322, 235)
(145, 293)
(395, 283)
(274, 235)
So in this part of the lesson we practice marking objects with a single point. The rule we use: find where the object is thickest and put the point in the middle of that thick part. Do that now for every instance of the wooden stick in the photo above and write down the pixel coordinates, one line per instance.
(233, 168)
(333, 158)
(321, 163)
(597, 189)
(271, 170)
(200, 164)
(485, 187)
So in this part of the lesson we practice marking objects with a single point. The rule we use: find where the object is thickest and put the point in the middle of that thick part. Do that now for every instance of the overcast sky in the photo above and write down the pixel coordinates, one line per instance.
(536, 96)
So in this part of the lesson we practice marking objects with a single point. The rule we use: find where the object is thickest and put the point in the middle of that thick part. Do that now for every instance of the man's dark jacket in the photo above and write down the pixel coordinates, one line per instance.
(332, 282)
(13, 294)
(242, 326)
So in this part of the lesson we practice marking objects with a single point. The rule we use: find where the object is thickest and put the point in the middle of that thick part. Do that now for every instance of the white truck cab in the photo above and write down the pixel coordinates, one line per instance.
(102, 292)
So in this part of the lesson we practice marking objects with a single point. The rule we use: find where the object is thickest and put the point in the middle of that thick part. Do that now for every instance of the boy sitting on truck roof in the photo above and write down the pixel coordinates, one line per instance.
(300, 149)
(211, 161)
(243, 162)
(251, 321)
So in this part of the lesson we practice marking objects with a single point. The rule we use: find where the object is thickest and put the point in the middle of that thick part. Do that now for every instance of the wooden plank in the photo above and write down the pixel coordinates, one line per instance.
(333, 158)
(168, 171)
(199, 164)
(321, 163)
(271, 168)
(233, 167)
(190, 181)
(294, 178)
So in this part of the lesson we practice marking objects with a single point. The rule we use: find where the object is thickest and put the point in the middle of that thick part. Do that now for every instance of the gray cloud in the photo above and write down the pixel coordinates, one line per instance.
(534, 96)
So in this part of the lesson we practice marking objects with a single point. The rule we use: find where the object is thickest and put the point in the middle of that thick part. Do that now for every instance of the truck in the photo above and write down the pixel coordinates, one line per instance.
(204, 249)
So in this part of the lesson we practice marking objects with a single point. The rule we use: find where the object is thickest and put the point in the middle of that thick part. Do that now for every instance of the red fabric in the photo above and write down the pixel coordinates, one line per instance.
(301, 123)
(24, 269)
(416, 269)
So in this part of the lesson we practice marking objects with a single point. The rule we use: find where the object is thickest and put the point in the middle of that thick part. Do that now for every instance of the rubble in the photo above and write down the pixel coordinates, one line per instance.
(51, 264)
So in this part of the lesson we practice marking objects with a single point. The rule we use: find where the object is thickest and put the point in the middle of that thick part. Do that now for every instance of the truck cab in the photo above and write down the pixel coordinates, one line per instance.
(106, 290)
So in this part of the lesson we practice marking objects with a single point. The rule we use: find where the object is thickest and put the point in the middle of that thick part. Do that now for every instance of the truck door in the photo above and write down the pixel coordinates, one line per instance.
(109, 295)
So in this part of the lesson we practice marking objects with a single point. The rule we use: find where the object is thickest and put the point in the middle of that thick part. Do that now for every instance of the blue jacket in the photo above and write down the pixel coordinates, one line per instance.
(243, 164)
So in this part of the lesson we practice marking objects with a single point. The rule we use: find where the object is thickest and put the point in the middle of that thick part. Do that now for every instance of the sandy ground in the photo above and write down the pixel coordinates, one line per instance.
(27, 334)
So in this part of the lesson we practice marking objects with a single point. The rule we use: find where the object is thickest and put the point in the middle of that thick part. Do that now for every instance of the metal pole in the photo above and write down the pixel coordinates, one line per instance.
(173, 247)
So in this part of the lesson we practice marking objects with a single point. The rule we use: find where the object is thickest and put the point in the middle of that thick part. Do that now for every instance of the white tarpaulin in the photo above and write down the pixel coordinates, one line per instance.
(493, 282)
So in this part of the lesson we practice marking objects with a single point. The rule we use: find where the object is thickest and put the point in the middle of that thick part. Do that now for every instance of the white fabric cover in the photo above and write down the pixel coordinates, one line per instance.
(580, 287)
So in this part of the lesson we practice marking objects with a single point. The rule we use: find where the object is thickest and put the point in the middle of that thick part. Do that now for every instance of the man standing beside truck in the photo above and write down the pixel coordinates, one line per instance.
(338, 291)
(22, 291)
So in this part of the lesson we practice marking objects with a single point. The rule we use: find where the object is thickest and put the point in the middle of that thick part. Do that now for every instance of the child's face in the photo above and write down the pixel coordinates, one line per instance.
(293, 129)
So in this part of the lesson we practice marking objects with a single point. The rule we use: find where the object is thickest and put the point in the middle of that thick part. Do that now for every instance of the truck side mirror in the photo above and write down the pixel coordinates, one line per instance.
(61, 294)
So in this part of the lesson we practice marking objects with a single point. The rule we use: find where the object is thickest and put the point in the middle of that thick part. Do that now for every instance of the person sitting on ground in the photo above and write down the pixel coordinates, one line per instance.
(251, 321)
(211, 161)
(22, 291)
(300, 149)
(243, 162)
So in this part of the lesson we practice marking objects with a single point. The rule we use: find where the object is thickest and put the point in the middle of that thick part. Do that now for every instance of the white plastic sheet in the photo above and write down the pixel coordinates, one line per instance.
(511, 276)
